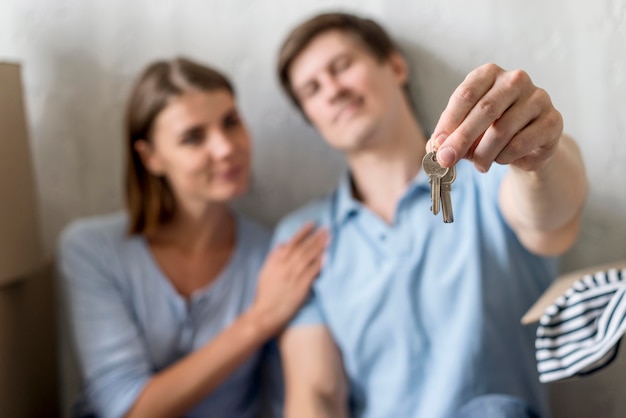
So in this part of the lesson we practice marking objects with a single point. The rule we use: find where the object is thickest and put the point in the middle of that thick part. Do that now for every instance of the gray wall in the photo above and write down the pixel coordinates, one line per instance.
(79, 58)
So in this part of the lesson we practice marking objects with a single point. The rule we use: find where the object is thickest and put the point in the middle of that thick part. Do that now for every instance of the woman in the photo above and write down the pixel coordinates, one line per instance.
(171, 303)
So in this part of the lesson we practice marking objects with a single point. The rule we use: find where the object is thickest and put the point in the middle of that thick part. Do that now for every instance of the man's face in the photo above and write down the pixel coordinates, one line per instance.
(347, 94)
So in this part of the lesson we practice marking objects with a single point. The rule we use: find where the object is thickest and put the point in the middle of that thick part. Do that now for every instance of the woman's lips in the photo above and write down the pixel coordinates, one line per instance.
(229, 174)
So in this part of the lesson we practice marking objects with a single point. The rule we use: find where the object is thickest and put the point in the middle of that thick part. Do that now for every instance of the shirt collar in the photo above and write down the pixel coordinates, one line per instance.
(347, 205)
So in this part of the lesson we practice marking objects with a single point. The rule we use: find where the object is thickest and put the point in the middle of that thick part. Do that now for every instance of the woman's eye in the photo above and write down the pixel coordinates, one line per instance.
(232, 121)
(193, 138)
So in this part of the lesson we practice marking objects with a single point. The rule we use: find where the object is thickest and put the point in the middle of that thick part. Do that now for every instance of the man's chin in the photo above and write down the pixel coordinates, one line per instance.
(358, 138)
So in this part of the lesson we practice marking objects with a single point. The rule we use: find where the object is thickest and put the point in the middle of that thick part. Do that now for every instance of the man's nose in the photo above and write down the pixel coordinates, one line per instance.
(334, 89)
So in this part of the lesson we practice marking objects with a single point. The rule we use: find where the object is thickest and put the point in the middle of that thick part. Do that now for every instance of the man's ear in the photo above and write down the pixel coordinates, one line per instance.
(399, 67)
(148, 157)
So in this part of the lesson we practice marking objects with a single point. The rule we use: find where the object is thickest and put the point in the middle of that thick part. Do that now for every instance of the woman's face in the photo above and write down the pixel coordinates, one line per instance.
(201, 145)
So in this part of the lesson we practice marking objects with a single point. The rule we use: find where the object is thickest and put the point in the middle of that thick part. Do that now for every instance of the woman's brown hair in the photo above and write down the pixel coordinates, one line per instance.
(149, 198)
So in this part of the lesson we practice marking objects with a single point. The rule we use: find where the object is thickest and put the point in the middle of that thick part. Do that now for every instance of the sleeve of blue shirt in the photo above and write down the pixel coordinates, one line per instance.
(489, 183)
(111, 355)
(310, 313)
(492, 181)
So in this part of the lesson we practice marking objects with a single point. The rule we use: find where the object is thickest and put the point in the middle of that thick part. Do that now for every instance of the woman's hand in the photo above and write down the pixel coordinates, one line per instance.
(286, 278)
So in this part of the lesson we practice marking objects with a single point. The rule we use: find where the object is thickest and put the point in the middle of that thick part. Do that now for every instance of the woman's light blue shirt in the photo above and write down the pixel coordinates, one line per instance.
(128, 321)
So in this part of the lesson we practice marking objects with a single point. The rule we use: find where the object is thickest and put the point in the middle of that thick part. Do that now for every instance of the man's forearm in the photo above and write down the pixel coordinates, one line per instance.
(316, 405)
(547, 203)
(315, 383)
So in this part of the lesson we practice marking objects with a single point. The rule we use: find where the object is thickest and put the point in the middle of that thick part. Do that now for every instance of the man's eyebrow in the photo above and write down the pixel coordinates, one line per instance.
(337, 57)
(307, 84)
(333, 60)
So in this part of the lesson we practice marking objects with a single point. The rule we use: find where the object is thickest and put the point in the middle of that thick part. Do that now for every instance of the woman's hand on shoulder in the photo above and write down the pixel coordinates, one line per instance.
(286, 277)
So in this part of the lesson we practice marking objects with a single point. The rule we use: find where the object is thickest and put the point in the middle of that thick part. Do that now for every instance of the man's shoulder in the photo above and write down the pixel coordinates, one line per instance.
(318, 212)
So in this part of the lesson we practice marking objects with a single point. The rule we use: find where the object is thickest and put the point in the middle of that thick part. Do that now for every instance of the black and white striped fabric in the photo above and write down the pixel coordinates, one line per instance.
(580, 333)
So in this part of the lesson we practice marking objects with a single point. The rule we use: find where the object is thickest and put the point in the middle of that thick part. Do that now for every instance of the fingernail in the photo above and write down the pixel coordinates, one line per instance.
(446, 156)
(440, 139)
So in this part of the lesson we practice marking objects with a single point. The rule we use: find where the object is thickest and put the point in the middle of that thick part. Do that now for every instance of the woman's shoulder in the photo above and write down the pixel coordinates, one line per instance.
(94, 230)
(93, 248)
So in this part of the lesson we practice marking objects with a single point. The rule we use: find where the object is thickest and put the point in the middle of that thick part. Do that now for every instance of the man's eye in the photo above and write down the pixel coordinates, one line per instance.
(308, 91)
(341, 64)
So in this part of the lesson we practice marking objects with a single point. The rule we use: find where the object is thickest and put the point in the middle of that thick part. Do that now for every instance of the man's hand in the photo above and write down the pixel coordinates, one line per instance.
(501, 116)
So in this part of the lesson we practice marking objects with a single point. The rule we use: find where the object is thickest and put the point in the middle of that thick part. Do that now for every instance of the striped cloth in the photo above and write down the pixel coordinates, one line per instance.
(580, 333)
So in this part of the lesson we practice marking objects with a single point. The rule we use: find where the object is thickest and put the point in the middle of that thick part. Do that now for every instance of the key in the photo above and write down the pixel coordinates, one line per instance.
(446, 201)
(435, 173)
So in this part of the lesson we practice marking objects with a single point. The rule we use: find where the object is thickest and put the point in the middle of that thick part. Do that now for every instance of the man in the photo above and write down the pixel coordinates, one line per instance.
(422, 316)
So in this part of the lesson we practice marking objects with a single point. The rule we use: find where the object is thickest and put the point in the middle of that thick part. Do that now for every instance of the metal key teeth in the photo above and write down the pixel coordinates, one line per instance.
(435, 172)
(446, 200)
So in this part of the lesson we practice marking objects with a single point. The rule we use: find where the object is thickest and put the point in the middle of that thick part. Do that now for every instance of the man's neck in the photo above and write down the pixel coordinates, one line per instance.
(381, 174)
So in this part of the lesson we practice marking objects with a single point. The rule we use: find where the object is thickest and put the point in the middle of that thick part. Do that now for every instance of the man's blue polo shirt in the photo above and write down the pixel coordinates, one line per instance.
(426, 314)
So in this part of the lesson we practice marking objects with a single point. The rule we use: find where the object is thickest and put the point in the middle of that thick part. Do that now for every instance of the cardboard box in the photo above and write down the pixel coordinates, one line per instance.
(29, 372)
(20, 241)
(560, 285)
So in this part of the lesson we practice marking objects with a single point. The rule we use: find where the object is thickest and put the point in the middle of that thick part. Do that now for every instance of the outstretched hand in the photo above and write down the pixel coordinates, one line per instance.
(497, 116)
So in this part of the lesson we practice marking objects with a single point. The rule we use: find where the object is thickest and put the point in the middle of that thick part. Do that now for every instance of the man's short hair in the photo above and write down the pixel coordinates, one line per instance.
(372, 36)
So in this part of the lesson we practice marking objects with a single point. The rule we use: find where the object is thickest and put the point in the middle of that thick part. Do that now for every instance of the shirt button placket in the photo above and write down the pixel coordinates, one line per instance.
(185, 341)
